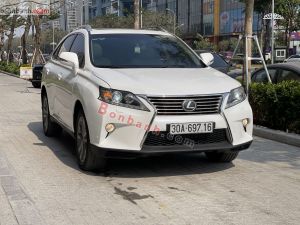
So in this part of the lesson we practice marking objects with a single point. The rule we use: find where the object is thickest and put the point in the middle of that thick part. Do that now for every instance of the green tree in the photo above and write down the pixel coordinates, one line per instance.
(137, 14)
(27, 25)
(151, 20)
(37, 59)
(290, 10)
(202, 43)
(157, 20)
(228, 44)
(1, 38)
(113, 21)
(10, 23)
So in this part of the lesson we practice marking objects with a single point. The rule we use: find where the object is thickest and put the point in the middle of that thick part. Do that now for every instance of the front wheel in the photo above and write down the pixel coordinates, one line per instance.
(50, 128)
(222, 156)
(88, 158)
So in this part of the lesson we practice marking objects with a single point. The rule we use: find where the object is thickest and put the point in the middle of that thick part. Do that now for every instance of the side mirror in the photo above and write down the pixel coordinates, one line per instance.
(207, 58)
(72, 58)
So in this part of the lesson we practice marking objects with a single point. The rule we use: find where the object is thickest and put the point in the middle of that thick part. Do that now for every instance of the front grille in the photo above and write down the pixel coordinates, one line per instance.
(206, 104)
(166, 139)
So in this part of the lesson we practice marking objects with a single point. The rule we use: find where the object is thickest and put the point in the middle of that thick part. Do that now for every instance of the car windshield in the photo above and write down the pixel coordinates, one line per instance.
(141, 51)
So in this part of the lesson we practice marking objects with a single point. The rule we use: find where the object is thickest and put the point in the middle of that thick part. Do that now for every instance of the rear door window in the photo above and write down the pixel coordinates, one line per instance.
(288, 75)
(218, 61)
(64, 47)
(78, 48)
(261, 76)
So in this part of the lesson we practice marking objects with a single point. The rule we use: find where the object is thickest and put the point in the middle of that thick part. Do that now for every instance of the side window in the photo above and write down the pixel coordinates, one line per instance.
(261, 76)
(218, 61)
(288, 75)
(78, 48)
(64, 47)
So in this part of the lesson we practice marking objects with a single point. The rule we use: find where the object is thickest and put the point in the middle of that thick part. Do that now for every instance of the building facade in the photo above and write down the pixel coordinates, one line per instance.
(74, 13)
(215, 19)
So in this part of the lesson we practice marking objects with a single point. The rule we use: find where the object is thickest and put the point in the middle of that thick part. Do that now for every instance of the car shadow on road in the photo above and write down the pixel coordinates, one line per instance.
(164, 165)
(152, 166)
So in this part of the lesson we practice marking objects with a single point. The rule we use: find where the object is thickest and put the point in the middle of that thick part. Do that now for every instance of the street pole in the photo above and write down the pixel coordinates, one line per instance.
(272, 41)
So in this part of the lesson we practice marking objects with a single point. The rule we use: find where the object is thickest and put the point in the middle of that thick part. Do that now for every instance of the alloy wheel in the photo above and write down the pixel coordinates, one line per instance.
(81, 139)
(45, 111)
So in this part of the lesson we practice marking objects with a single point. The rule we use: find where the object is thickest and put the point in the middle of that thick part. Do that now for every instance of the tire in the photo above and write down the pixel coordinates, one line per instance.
(89, 159)
(50, 128)
(36, 84)
(225, 157)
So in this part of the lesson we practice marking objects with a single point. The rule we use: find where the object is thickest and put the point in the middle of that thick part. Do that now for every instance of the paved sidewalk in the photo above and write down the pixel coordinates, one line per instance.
(40, 182)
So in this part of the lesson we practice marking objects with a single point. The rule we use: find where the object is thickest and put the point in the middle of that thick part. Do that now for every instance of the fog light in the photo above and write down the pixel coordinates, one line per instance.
(110, 127)
(245, 122)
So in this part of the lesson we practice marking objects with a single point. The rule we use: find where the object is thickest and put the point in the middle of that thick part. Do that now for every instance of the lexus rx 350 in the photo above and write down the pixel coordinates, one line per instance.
(141, 92)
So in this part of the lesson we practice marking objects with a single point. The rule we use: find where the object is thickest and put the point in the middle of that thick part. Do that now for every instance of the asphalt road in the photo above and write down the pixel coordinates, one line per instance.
(40, 182)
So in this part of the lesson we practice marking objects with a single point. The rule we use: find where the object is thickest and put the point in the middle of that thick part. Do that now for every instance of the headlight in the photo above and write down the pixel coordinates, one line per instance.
(121, 98)
(236, 96)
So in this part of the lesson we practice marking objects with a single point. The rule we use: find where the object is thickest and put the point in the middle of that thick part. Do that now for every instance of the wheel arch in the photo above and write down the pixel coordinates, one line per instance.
(77, 107)
(43, 92)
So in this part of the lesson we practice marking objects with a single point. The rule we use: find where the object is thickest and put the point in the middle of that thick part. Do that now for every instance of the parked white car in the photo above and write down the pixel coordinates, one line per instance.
(141, 91)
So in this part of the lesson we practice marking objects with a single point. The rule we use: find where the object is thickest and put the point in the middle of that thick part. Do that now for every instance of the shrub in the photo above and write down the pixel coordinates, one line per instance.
(276, 106)
(10, 67)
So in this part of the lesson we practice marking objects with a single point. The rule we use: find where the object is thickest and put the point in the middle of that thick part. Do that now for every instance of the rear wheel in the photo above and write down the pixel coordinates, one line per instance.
(222, 156)
(50, 128)
(36, 84)
(88, 159)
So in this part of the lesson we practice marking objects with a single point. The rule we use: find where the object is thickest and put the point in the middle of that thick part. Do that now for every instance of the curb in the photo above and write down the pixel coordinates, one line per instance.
(9, 74)
(276, 135)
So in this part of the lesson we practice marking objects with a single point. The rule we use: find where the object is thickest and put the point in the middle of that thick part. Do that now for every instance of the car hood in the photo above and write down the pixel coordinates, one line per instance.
(168, 81)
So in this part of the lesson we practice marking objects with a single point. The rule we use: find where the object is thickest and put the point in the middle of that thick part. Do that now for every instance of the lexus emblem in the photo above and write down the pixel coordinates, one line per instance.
(189, 105)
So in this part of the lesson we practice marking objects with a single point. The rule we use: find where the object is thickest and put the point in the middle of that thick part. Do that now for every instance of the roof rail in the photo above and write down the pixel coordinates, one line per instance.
(86, 27)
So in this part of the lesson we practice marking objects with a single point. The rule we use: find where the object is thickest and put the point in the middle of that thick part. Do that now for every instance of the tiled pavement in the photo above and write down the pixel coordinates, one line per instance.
(40, 182)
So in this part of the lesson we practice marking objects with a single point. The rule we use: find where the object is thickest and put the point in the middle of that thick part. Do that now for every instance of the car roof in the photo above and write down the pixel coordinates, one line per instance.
(289, 65)
(125, 31)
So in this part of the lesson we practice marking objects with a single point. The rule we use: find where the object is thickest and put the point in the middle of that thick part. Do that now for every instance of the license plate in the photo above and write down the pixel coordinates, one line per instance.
(191, 128)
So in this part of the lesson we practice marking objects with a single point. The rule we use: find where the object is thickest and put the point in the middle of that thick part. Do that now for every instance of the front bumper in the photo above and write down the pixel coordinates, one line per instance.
(133, 128)
(148, 151)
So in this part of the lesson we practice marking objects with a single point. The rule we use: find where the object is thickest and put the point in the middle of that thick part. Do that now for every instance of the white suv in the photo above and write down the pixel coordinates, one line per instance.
(123, 92)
